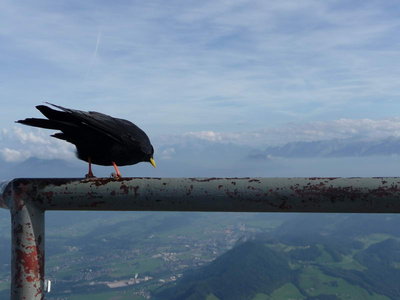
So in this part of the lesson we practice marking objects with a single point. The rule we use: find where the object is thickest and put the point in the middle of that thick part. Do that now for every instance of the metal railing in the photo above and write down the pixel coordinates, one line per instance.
(28, 199)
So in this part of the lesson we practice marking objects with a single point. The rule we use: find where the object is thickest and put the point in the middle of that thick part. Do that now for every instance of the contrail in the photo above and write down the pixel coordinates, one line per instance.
(93, 59)
(97, 44)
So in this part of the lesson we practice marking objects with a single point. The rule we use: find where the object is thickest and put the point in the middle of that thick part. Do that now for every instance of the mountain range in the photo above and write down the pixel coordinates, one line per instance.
(334, 148)
(203, 158)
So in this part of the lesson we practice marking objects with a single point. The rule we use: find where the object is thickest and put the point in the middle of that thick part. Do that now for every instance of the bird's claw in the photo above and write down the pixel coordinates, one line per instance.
(89, 176)
(116, 176)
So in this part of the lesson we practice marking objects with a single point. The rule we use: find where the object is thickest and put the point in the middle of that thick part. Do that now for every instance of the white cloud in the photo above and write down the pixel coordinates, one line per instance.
(18, 144)
(29, 137)
(167, 153)
(12, 155)
(207, 135)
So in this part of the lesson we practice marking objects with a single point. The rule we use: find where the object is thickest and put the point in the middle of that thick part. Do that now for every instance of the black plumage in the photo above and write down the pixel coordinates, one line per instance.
(99, 139)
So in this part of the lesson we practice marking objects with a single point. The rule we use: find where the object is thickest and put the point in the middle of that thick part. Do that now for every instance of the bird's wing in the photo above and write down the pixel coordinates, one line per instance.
(122, 131)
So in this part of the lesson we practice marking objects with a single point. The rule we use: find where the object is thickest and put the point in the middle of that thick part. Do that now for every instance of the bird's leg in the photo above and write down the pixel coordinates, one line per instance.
(90, 173)
(118, 173)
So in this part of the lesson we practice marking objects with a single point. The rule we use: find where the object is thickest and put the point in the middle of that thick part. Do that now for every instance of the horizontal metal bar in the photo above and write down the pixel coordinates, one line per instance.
(347, 195)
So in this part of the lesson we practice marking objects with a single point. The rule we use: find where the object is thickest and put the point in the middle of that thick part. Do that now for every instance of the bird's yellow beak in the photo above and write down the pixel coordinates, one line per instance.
(153, 163)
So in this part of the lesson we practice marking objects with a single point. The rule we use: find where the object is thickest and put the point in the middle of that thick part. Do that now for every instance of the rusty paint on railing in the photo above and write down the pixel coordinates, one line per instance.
(362, 195)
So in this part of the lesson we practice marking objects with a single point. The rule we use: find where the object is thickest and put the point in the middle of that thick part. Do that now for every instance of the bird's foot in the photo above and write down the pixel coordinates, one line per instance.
(89, 176)
(116, 176)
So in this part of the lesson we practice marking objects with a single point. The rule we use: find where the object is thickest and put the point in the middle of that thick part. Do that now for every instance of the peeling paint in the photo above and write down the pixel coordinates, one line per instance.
(135, 190)
(124, 188)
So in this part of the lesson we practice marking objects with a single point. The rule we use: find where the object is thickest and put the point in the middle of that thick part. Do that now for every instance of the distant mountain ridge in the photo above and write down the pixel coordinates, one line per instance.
(217, 158)
(332, 148)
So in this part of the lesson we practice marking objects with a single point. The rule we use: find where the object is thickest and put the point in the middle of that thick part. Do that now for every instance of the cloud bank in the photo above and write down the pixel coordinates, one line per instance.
(358, 129)
(18, 143)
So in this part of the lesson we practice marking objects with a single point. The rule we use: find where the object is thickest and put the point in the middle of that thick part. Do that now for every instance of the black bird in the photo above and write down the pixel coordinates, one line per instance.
(99, 139)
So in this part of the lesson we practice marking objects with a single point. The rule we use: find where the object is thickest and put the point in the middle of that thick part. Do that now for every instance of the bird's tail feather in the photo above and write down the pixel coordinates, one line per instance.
(61, 136)
(52, 114)
(42, 123)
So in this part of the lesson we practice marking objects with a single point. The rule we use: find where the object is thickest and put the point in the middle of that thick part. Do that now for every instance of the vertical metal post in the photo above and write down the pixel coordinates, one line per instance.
(27, 259)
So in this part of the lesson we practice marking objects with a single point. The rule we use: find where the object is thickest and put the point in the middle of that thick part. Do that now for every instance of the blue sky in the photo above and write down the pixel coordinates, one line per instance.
(205, 68)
